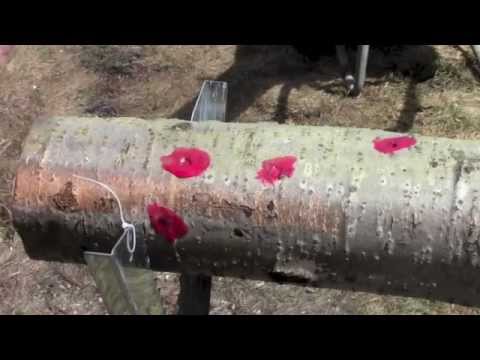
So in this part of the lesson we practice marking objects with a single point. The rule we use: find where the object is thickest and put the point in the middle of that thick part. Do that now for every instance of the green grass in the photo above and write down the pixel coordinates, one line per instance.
(450, 76)
(451, 118)
(369, 304)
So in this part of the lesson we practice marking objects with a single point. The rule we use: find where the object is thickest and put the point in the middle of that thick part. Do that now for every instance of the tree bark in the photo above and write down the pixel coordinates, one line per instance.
(350, 217)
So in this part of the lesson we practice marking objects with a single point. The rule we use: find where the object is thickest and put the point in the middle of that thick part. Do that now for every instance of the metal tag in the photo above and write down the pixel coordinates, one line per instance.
(126, 289)
(211, 102)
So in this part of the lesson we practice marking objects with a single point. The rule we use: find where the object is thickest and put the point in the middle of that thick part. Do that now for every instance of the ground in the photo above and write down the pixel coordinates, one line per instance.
(266, 83)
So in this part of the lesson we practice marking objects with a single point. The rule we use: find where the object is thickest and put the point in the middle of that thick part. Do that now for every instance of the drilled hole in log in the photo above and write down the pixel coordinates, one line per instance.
(181, 126)
(283, 278)
(247, 211)
(238, 232)
(468, 169)
(351, 278)
(271, 206)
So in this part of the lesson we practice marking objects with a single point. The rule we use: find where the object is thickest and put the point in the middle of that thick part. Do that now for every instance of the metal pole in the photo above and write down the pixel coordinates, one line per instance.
(211, 104)
(361, 68)
(349, 216)
(476, 52)
(194, 298)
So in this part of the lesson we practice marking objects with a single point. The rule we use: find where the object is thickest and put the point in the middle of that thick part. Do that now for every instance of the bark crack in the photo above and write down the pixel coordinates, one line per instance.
(457, 172)
(148, 152)
(454, 245)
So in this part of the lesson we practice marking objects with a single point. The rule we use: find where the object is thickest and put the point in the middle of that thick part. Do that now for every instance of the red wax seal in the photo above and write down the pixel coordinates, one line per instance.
(393, 144)
(186, 162)
(276, 169)
(166, 223)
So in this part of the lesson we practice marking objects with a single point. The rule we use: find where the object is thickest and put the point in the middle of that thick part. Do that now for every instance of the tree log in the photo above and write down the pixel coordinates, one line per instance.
(350, 217)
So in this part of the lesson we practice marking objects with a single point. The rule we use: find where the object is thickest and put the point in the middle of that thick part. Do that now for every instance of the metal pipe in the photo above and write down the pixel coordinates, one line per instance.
(348, 217)
(194, 297)
(361, 68)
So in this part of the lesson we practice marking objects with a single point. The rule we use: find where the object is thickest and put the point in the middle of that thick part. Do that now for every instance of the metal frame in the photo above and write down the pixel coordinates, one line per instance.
(195, 289)
(355, 85)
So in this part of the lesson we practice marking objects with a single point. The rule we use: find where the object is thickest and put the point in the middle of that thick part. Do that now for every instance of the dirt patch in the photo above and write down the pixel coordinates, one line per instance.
(112, 59)
(266, 83)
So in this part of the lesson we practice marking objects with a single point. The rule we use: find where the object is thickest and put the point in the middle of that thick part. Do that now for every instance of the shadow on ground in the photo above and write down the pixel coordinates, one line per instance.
(294, 66)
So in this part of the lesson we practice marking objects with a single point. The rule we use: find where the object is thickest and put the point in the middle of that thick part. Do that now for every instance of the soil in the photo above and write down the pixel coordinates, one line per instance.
(428, 90)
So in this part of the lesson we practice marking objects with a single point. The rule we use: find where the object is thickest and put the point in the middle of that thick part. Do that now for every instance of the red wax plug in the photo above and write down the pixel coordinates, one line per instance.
(186, 162)
(393, 144)
(166, 223)
(276, 169)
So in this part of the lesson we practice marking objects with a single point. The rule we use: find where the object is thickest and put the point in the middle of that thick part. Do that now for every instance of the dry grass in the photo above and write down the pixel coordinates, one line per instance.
(266, 84)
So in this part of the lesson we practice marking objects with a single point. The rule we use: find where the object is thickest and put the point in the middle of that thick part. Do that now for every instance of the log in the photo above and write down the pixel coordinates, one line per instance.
(348, 217)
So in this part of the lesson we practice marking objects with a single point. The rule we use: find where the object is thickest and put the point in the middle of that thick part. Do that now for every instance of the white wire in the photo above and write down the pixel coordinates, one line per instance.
(126, 226)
